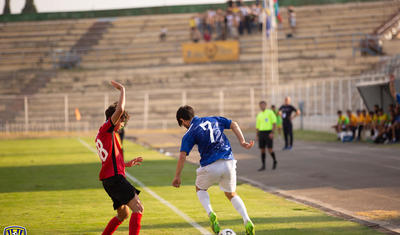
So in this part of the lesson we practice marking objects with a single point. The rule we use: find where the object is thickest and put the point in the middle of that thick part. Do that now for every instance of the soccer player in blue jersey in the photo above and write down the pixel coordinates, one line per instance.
(217, 164)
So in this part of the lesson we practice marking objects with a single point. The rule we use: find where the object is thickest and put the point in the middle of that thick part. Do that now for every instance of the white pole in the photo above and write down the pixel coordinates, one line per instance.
(332, 108)
(146, 110)
(66, 116)
(340, 95)
(26, 113)
(221, 102)
(264, 52)
(252, 106)
(184, 98)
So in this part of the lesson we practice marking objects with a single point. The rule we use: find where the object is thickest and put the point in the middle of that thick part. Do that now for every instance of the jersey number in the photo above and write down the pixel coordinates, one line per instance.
(101, 151)
(208, 123)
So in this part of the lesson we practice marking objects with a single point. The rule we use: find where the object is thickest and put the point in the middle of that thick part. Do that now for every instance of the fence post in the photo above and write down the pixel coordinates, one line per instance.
(66, 116)
(315, 99)
(323, 101)
(7, 128)
(252, 107)
(341, 94)
(349, 92)
(307, 98)
(184, 98)
(146, 110)
(221, 102)
(26, 114)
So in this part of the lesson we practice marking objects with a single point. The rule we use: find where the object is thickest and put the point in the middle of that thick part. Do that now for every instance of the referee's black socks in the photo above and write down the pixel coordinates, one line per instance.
(263, 159)
(273, 156)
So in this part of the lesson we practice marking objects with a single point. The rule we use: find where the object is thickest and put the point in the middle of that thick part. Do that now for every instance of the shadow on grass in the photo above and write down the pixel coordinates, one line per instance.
(84, 176)
(272, 221)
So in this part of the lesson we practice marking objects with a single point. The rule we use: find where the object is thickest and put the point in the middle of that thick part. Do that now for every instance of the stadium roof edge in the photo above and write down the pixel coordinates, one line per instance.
(149, 11)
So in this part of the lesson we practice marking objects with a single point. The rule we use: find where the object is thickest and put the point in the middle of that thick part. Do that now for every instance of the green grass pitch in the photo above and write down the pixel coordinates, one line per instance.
(51, 186)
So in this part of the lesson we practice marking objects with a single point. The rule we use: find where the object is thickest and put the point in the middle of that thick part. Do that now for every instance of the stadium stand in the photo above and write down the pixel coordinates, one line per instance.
(128, 49)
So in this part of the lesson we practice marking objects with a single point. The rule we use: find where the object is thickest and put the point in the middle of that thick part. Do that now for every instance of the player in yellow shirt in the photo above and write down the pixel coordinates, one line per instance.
(266, 125)
(360, 124)
(367, 120)
(353, 122)
(341, 124)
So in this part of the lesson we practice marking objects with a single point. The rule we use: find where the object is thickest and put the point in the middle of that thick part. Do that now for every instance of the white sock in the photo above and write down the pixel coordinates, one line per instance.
(240, 207)
(204, 199)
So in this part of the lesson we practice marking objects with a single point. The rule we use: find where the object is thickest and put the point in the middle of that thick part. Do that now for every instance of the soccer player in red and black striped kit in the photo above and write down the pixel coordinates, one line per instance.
(112, 174)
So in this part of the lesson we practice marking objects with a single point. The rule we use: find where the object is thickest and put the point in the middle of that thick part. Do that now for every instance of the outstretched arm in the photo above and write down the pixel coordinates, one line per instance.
(121, 103)
(179, 167)
(391, 86)
(239, 135)
(134, 162)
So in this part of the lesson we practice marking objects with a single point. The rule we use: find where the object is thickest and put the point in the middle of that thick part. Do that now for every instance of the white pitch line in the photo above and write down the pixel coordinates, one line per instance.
(156, 196)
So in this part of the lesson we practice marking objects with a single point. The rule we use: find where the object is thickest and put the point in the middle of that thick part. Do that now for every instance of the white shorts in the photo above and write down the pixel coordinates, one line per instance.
(222, 171)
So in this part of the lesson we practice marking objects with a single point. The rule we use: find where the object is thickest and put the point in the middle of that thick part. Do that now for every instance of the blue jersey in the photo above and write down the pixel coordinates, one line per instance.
(208, 134)
(398, 98)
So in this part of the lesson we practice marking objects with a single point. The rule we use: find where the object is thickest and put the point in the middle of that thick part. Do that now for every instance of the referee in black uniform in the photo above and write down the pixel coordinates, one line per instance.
(285, 111)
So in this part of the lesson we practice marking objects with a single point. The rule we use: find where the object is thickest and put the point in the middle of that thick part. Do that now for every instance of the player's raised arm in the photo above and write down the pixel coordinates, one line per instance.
(239, 135)
(121, 103)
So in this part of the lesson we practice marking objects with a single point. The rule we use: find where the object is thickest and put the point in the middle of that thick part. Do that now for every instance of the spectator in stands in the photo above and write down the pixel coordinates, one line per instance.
(360, 124)
(207, 35)
(192, 22)
(341, 124)
(163, 33)
(195, 35)
(199, 19)
(255, 15)
(353, 124)
(292, 20)
(210, 20)
(395, 95)
(232, 25)
(244, 23)
(219, 25)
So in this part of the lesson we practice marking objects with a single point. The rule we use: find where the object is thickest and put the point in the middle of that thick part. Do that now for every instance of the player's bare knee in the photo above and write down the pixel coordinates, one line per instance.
(123, 213)
(230, 195)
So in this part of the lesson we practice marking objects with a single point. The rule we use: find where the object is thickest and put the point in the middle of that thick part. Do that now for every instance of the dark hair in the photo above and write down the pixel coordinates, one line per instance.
(262, 102)
(111, 110)
(339, 112)
(184, 112)
(273, 106)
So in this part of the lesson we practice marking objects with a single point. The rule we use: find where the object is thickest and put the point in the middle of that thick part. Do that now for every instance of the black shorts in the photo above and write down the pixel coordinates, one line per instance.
(120, 190)
(264, 140)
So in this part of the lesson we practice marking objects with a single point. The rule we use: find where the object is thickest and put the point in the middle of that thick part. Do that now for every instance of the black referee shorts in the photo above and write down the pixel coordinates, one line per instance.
(264, 140)
(120, 190)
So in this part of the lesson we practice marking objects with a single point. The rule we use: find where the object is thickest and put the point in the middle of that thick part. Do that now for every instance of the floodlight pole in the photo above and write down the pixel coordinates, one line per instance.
(264, 51)
(272, 47)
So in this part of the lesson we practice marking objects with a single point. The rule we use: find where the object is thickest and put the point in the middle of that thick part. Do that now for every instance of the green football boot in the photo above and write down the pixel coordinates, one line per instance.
(214, 222)
(250, 228)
